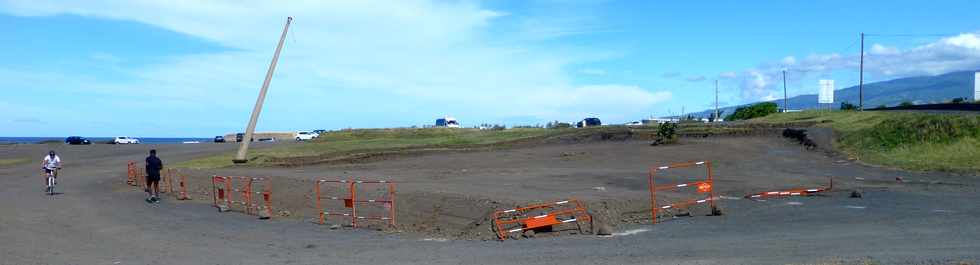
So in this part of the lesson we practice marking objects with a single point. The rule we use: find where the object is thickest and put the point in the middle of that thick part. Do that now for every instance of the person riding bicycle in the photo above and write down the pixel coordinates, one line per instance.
(50, 164)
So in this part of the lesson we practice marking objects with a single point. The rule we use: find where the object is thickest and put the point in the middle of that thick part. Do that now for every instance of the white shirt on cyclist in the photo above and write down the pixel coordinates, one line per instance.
(51, 163)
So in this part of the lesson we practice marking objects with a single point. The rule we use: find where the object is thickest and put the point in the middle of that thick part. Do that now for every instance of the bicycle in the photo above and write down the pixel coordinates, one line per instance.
(51, 180)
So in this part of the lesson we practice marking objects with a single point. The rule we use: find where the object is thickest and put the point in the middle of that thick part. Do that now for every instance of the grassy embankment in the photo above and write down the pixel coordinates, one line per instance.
(907, 140)
(376, 140)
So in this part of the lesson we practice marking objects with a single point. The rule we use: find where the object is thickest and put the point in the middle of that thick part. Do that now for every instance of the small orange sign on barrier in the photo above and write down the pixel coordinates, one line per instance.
(703, 184)
(533, 217)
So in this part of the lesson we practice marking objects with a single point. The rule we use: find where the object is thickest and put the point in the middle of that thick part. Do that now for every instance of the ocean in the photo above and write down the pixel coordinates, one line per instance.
(101, 140)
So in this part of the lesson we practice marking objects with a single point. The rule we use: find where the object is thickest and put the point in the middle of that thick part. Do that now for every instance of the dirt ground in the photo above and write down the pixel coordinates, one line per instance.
(444, 201)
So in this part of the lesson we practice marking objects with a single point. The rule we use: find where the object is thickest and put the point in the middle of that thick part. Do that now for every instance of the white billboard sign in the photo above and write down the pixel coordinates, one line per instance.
(976, 86)
(826, 92)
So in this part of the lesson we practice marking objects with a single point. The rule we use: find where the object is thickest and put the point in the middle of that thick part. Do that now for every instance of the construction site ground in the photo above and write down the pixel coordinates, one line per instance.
(444, 200)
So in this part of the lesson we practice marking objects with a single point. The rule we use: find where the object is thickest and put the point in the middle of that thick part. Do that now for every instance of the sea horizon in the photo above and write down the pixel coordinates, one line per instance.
(103, 140)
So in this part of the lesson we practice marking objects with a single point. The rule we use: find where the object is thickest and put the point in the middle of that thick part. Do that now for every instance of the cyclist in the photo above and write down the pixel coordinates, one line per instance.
(51, 164)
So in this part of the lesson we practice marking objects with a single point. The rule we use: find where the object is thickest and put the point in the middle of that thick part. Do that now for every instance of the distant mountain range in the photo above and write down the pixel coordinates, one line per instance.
(918, 90)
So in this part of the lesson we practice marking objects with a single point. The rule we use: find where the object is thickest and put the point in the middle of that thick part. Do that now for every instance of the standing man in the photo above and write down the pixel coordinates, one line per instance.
(153, 167)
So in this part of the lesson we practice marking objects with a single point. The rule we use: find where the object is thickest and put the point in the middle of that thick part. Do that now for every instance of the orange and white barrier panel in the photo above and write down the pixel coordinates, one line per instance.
(790, 192)
(356, 205)
(540, 216)
(231, 191)
(702, 185)
(175, 183)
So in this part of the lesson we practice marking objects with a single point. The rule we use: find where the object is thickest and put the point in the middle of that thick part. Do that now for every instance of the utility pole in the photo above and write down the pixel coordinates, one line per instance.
(716, 101)
(785, 106)
(241, 157)
(861, 78)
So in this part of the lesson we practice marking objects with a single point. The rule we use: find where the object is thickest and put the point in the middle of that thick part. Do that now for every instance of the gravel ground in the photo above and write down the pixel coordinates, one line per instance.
(929, 218)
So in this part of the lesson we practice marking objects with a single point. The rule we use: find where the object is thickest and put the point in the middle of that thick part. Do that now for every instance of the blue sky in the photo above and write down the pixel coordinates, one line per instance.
(164, 68)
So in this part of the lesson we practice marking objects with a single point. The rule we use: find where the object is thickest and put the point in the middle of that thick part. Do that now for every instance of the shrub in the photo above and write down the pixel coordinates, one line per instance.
(754, 111)
(847, 106)
(906, 104)
(558, 125)
(957, 100)
(667, 131)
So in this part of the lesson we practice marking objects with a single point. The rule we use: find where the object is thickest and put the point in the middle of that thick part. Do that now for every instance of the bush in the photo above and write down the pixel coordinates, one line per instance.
(882, 106)
(558, 125)
(754, 111)
(667, 131)
(847, 106)
(906, 104)
(958, 100)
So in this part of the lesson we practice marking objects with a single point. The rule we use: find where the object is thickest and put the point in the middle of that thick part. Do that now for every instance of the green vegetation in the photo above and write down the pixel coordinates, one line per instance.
(667, 132)
(754, 111)
(343, 142)
(906, 104)
(13, 161)
(915, 141)
(847, 106)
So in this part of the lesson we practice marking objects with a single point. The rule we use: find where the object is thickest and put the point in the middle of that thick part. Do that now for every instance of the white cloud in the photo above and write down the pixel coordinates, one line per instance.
(756, 85)
(879, 49)
(346, 54)
(788, 61)
(697, 78)
(955, 53)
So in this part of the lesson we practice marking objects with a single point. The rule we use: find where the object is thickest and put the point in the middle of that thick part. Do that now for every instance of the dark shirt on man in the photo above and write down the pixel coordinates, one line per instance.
(153, 166)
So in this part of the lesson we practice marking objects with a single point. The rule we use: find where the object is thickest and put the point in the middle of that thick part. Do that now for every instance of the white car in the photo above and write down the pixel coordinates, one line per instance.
(125, 140)
(304, 136)
(634, 124)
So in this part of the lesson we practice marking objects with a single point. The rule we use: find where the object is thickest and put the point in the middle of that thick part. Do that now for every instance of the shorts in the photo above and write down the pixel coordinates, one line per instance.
(150, 179)
(48, 170)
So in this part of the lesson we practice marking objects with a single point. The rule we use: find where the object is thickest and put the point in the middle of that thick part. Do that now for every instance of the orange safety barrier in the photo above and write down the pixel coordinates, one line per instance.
(175, 183)
(791, 192)
(346, 191)
(539, 216)
(136, 175)
(702, 184)
(171, 180)
(131, 173)
(223, 190)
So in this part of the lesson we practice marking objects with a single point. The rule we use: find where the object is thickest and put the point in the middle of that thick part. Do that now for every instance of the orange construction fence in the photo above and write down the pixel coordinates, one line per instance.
(540, 216)
(791, 192)
(328, 194)
(171, 180)
(224, 188)
(703, 184)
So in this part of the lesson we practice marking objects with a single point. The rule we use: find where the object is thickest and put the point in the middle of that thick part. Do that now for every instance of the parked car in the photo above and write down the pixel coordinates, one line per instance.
(77, 140)
(125, 140)
(589, 122)
(272, 139)
(219, 139)
(304, 136)
(319, 132)
(633, 124)
(240, 136)
(448, 122)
